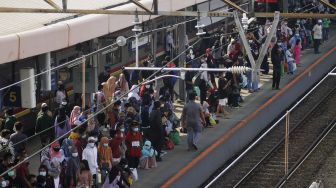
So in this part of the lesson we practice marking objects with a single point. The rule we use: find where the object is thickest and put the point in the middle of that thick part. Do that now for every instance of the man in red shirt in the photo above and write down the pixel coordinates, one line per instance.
(134, 143)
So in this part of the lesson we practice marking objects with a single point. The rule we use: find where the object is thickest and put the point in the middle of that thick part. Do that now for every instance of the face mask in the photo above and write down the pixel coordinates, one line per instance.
(118, 177)
(43, 173)
(4, 184)
(279, 44)
(146, 147)
(69, 147)
(126, 166)
(84, 136)
(75, 154)
(122, 130)
(105, 145)
(11, 173)
(136, 129)
(91, 145)
(147, 86)
(297, 34)
(56, 149)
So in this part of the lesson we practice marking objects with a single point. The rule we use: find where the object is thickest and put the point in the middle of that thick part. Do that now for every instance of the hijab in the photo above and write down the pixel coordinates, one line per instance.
(104, 152)
(75, 113)
(134, 93)
(123, 84)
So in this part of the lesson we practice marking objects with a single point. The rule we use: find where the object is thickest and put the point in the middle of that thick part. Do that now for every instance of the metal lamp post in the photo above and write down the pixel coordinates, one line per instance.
(137, 29)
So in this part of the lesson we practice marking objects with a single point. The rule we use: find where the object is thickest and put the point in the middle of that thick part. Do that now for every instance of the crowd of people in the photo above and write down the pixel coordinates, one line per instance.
(128, 125)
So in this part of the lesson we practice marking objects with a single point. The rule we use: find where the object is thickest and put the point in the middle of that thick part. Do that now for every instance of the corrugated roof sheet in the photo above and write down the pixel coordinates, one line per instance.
(17, 22)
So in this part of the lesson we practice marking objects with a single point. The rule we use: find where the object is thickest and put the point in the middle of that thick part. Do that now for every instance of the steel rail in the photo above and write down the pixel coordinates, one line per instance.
(267, 155)
(307, 153)
(235, 161)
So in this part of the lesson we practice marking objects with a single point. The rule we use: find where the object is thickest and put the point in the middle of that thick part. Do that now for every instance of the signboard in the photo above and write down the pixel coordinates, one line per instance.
(142, 41)
(12, 97)
(267, 1)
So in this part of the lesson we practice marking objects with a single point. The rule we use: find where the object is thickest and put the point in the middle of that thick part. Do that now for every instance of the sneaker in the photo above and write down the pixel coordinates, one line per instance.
(195, 147)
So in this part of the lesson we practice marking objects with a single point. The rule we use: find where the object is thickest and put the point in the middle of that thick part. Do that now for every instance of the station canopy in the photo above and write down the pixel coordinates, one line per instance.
(18, 22)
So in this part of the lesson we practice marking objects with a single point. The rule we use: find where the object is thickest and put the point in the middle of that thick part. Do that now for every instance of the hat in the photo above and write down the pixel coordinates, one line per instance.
(44, 105)
(91, 138)
(135, 123)
(60, 82)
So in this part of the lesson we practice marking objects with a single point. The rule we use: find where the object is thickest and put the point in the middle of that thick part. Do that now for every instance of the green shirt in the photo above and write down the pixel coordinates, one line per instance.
(326, 22)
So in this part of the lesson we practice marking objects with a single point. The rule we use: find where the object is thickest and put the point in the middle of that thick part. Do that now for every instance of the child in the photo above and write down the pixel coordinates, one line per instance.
(290, 60)
(148, 159)
(297, 52)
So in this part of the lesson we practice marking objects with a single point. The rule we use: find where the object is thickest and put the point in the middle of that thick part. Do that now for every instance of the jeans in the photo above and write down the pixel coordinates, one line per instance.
(249, 80)
(193, 136)
(290, 67)
(325, 32)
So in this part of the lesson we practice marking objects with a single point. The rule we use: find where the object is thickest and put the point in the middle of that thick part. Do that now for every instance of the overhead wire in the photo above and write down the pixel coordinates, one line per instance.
(89, 118)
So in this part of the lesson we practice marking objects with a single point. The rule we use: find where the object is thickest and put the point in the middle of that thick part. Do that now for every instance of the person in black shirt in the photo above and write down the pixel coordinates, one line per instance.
(277, 58)
(188, 81)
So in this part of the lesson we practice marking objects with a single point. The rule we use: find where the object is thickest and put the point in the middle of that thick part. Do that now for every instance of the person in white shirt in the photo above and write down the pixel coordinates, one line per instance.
(317, 36)
(91, 155)
(169, 44)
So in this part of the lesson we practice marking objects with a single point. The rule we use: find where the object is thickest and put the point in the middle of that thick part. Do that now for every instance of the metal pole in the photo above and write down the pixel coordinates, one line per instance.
(286, 143)
(136, 50)
(83, 82)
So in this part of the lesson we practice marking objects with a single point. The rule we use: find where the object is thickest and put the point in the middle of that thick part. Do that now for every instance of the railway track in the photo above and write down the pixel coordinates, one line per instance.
(263, 166)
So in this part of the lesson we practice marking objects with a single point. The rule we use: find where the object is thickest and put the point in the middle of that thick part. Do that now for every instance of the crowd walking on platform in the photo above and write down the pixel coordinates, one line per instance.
(105, 145)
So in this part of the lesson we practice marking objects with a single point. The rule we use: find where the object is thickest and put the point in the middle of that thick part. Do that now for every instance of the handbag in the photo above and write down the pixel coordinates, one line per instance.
(169, 144)
(175, 137)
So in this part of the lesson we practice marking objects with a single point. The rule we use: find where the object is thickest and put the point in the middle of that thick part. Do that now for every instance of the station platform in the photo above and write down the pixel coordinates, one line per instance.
(179, 161)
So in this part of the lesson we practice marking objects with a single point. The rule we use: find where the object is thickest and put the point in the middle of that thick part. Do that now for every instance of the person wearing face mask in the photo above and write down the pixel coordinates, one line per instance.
(148, 159)
(156, 132)
(90, 154)
(105, 157)
(116, 144)
(293, 40)
(133, 142)
(317, 36)
(72, 169)
(47, 180)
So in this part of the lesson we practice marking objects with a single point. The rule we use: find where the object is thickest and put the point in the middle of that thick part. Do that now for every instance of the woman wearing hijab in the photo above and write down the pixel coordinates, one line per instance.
(66, 147)
(56, 158)
(72, 169)
(105, 157)
(148, 159)
(61, 124)
(134, 93)
(74, 116)
(123, 84)
(77, 142)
